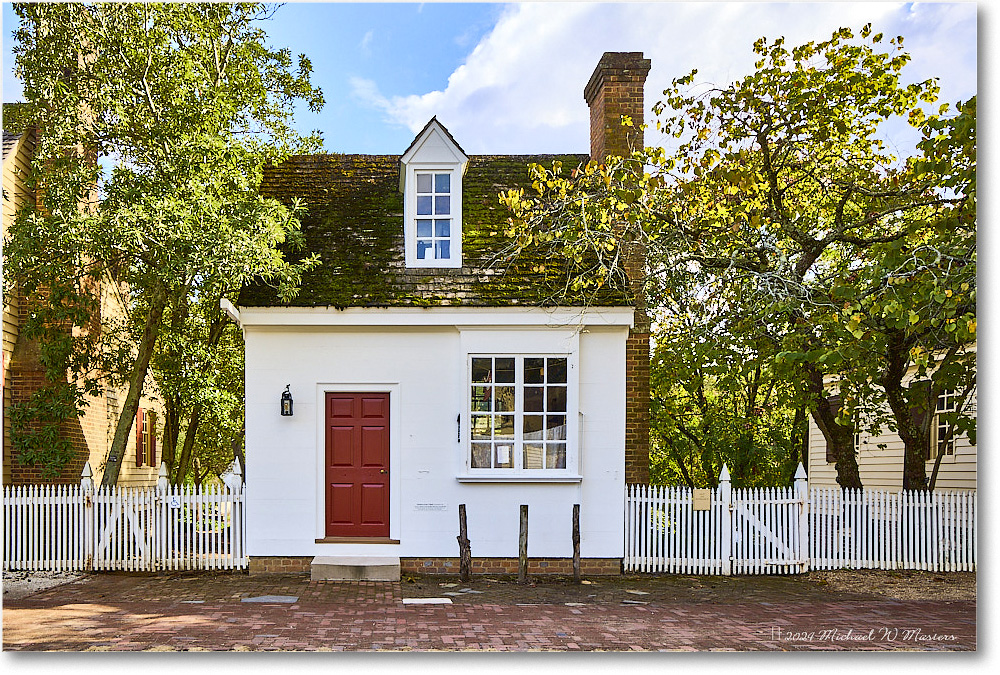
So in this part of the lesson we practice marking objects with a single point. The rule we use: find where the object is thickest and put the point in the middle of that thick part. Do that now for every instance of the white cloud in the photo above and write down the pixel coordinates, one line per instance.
(520, 90)
(366, 42)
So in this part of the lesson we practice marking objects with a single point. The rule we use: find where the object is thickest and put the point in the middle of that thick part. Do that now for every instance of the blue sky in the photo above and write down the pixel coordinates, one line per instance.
(510, 78)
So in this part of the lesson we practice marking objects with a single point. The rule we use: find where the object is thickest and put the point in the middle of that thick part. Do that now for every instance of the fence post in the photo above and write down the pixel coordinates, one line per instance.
(802, 495)
(235, 484)
(87, 495)
(726, 501)
(160, 536)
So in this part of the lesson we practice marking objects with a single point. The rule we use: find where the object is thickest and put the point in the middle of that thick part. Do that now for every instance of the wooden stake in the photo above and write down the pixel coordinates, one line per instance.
(576, 543)
(522, 546)
(464, 548)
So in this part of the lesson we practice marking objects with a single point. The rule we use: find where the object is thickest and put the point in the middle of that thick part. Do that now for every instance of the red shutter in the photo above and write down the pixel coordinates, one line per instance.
(139, 449)
(152, 438)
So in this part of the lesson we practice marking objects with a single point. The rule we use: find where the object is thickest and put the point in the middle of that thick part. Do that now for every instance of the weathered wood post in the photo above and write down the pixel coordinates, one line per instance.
(576, 543)
(464, 548)
(522, 548)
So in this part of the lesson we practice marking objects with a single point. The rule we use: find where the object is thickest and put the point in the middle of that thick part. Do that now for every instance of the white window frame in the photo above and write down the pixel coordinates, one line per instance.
(949, 399)
(410, 215)
(495, 341)
(519, 413)
(435, 217)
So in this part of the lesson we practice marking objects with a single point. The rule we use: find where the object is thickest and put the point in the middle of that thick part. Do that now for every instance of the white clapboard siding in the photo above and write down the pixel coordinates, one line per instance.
(66, 527)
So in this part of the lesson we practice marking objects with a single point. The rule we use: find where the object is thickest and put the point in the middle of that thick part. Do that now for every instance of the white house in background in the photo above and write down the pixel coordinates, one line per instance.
(882, 467)
(426, 370)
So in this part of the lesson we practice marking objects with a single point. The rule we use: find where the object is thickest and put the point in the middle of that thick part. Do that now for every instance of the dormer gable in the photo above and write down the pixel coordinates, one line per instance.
(430, 178)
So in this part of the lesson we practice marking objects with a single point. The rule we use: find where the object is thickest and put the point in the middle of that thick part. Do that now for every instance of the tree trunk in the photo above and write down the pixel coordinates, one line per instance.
(839, 438)
(799, 442)
(913, 417)
(171, 430)
(184, 464)
(136, 380)
(237, 446)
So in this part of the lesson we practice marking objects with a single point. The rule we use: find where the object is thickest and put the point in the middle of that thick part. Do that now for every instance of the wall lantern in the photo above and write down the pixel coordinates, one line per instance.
(286, 402)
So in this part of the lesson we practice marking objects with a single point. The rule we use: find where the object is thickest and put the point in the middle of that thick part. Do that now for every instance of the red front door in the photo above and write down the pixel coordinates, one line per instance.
(357, 465)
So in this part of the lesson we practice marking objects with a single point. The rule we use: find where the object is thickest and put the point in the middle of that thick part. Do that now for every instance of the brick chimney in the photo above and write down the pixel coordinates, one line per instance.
(616, 89)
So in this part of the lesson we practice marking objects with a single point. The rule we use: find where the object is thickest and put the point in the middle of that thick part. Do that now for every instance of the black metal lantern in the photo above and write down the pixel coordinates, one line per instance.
(286, 402)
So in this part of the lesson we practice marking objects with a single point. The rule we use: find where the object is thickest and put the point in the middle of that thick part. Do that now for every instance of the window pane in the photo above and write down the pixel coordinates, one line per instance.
(534, 371)
(534, 455)
(504, 457)
(442, 228)
(505, 370)
(504, 427)
(442, 206)
(424, 205)
(481, 455)
(557, 370)
(424, 228)
(481, 427)
(423, 245)
(442, 182)
(481, 369)
(534, 400)
(555, 456)
(505, 399)
(533, 427)
(557, 399)
(423, 182)
(442, 249)
(555, 427)
(481, 399)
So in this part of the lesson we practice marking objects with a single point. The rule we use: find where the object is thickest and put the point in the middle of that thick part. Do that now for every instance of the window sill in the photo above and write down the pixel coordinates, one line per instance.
(519, 479)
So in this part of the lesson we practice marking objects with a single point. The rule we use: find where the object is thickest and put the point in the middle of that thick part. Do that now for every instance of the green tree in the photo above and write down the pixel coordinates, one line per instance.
(780, 190)
(184, 104)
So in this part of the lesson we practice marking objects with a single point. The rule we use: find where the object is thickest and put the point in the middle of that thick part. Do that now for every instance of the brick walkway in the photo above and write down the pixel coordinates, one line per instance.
(207, 612)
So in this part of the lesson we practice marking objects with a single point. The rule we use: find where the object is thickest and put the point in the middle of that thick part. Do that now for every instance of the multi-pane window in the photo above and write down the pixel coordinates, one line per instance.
(145, 437)
(518, 408)
(434, 216)
(944, 441)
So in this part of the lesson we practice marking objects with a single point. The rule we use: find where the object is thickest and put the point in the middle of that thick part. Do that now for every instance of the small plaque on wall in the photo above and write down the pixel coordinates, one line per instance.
(702, 499)
(430, 507)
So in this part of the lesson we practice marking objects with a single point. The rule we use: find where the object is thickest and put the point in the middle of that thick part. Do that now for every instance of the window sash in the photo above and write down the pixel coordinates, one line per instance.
(946, 403)
(498, 440)
(434, 215)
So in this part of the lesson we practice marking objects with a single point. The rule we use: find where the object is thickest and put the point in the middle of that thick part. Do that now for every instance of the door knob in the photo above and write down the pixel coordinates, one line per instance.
(383, 471)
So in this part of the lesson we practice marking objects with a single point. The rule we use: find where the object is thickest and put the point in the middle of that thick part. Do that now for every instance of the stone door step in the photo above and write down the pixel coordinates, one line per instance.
(354, 568)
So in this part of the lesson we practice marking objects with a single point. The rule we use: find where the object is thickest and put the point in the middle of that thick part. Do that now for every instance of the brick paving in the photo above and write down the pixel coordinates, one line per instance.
(122, 612)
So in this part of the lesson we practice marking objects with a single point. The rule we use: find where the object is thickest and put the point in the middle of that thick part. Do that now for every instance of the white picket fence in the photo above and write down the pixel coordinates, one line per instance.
(75, 527)
(791, 530)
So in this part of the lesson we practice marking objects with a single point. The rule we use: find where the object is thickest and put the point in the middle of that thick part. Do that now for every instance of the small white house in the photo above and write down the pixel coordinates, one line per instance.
(426, 370)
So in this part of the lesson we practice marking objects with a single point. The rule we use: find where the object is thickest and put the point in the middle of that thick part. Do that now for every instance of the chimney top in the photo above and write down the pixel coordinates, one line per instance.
(614, 64)
(616, 89)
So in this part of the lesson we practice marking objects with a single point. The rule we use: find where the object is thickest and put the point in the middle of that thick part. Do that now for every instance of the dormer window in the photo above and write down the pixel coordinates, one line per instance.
(431, 183)
(433, 216)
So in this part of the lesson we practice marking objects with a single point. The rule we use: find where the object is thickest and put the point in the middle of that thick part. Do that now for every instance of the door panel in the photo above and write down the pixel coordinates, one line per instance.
(357, 465)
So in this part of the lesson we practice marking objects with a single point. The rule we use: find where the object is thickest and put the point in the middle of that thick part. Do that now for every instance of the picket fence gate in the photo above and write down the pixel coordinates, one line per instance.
(75, 527)
(791, 530)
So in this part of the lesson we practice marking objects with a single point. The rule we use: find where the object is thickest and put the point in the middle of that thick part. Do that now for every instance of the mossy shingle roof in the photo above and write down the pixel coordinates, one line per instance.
(354, 221)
